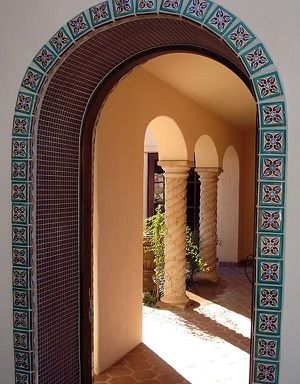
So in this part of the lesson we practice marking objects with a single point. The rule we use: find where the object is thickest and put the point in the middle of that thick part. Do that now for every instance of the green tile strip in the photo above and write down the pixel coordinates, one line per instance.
(271, 183)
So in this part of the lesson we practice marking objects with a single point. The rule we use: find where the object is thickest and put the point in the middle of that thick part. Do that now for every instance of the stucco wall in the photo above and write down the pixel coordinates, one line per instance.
(25, 26)
(119, 191)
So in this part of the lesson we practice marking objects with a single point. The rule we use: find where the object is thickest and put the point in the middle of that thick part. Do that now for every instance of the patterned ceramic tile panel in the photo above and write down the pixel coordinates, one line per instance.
(145, 6)
(272, 170)
(171, 6)
(239, 37)
(122, 8)
(266, 372)
(220, 20)
(273, 142)
(79, 25)
(197, 10)
(268, 86)
(256, 59)
(270, 245)
(272, 115)
(268, 322)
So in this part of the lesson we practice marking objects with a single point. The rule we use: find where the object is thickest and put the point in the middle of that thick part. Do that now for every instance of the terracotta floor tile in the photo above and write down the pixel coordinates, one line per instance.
(205, 344)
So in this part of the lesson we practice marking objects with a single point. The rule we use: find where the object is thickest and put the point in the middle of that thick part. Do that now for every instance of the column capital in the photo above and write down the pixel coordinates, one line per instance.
(212, 171)
(176, 168)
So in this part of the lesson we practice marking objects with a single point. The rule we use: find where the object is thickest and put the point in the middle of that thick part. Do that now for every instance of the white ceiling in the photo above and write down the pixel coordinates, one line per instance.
(208, 83)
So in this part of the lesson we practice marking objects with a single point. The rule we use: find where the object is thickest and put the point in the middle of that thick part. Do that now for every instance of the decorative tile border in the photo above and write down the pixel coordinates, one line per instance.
(271, 184)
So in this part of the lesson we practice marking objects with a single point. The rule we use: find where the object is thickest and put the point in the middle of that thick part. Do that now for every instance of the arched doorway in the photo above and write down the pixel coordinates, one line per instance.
(56, 96)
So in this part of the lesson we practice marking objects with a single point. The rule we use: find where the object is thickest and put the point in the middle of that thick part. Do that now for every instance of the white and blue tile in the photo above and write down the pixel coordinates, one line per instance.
(239, 37)
(268, 322)
(256, 58)
(197, 10)
(270, 245)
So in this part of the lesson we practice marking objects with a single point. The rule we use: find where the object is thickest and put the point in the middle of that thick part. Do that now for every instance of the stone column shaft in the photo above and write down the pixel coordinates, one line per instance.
(176, 173)
(208, 220)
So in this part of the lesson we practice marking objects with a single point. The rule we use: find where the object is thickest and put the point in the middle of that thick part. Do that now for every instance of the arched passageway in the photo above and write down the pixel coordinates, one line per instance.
(58, 103)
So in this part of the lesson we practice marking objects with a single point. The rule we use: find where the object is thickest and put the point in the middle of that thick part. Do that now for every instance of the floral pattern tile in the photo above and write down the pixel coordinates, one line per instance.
(100, 14)
(271, 194)
(270, 245)
(268, 297)
(22, 319)
(270, 272)
(60, 41)
(220, 20)
(123, 8)
(267, 347)
(23, 360)
(239, 37)
(272, 168)
(270, 220)
(20, 213)
(21, 256)
(197, 10)
(79, 25)
(33, 80)
(20, 235)
(21, 125)
(268, 86)
(273, 142)
(173, 6)
(266, 372)
(144, 6)
(268, 322)
(256, 59)
(272, 115)
(45, 58)
(23, 340)
(22, 377)
(25, 103)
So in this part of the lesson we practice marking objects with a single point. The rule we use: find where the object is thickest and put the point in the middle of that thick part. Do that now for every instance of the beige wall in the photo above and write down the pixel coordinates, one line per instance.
(119, 158)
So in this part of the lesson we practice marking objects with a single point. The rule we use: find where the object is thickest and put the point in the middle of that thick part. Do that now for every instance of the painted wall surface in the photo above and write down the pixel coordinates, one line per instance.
(26, 26)
(119, 195)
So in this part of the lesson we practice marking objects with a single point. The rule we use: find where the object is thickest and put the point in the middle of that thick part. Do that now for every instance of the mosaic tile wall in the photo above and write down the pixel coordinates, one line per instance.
(45, 168)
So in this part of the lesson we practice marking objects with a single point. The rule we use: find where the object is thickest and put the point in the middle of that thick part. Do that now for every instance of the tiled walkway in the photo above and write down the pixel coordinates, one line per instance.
(205, 344)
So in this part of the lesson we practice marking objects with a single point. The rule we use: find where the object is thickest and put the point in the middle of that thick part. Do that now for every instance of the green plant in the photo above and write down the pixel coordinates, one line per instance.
(154, 234)
(149, 299)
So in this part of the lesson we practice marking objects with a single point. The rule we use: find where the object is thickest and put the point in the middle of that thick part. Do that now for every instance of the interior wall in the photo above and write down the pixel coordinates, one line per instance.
(228, 208)
(119, 157)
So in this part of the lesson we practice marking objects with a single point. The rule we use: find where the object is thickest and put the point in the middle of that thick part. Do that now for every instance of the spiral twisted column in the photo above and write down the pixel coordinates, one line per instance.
(208, 220)
(176, 173)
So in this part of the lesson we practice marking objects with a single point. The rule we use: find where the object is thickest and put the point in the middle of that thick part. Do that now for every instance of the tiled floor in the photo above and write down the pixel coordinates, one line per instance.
(205, 344)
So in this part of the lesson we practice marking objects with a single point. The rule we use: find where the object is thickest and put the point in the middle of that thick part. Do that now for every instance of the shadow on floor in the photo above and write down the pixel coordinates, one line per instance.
(141, 365)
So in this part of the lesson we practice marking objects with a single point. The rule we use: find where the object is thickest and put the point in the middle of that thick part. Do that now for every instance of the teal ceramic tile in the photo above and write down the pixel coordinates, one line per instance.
(256, 58)
(60, 41)
(100, 14)
(267, 348)
(171, 6)
(79, 25)
(270, 245)
(19, 148)
(272, 115)
(20, 234)
(239, 37)
(22, 377)
(21, 299)
(270, 220)
(266, 372)
(197, 10)
(23, 360)
(123, 8)
(25, 103)
(21, 256)
(268, 297)
(21, 277)
(23, 340)
(267, 86)
(268, 322)
(272, 168)
(273, 142)
(21, 126)
(19, 192)
(23, 319)
(46, 58)
(271, 194)
(270, 271)
(33, 79)
(220, 20)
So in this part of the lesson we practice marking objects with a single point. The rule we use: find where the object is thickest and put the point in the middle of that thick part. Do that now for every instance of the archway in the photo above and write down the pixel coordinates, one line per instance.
(51, 105)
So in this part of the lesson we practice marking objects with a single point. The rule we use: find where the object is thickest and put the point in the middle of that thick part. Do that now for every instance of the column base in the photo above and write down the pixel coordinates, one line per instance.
(165, 303)
(207, 276)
